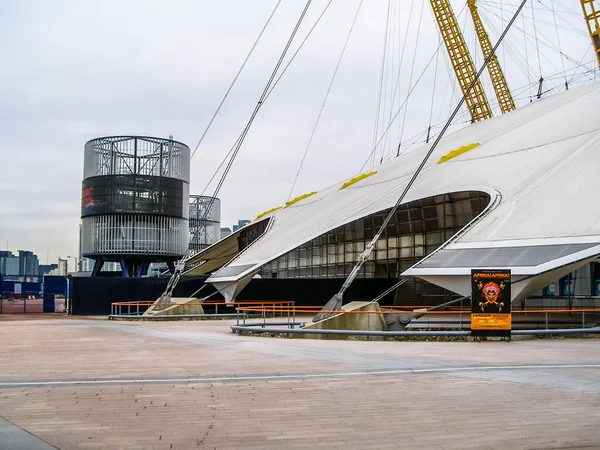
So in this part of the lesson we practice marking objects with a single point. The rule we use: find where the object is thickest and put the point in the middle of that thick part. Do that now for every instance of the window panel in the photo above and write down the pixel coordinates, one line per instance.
(381, 254)
(406, 252)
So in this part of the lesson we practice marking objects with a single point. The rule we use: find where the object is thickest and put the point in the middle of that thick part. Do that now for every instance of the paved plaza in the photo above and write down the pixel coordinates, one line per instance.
(91, 383)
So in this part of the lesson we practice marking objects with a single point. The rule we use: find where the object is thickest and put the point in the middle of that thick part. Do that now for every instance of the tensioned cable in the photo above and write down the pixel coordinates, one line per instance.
(546, 42)
(433, 92)
(522, 64)
(562, 60)
(412, 69)
(526, 57)
(216, 172)
(240, 140)
(537, 47)
(525, 67)
(383, 58)
(573, 27)
(181, 264)
(337, 299)
(384, 133)
(390, 61)
(312, 134)
(410, 12)
(235, 78)
(259, 104)
(502, 27)
(270, 91)
(580, 63)
(299, 48)
(400, 108)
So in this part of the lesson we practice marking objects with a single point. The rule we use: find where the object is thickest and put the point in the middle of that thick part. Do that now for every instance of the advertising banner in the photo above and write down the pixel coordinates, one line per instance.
(490, 303)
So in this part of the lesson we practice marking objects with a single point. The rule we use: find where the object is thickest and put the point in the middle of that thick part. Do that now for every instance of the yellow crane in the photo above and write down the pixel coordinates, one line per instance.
(503, 94)
(476, 101)
(592, 14)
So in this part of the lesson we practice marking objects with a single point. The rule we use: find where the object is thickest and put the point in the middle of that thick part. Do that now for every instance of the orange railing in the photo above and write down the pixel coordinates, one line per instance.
(137, 308)
(418, 311)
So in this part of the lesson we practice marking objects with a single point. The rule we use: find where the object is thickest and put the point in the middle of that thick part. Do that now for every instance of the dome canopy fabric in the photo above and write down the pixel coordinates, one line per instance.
(538, 164)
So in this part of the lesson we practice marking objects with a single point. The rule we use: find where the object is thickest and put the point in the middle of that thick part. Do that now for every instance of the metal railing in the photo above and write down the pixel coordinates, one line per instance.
(543, 318)
(136, 310)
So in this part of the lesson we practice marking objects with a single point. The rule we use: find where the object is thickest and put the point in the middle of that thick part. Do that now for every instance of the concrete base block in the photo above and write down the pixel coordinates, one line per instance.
(352, 321)
(178, 306)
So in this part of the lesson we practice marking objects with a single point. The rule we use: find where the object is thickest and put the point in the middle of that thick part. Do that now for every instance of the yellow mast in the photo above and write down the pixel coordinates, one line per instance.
(461, 61)
(503, 94)
(591, 14)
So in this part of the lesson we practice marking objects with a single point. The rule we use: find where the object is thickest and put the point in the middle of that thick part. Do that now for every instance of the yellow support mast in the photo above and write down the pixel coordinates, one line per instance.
(592, 13)
(461, 61)
(503, 94)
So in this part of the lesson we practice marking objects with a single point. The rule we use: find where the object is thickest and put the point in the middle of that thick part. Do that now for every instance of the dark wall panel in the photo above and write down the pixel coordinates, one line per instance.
(91, 296)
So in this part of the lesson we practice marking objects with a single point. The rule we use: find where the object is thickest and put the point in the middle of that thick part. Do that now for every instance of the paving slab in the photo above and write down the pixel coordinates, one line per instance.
(81, 383)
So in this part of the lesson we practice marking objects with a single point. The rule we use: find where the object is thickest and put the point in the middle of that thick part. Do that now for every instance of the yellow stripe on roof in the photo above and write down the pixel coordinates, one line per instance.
(457, 152)
(356, 179)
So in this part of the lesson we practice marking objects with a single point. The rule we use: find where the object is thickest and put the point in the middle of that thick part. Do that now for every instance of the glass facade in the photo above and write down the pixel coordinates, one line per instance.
(417, 229)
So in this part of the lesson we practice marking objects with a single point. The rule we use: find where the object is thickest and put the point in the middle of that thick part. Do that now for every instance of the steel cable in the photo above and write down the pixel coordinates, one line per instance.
(235, 79)
(336, 301)
(312, 134)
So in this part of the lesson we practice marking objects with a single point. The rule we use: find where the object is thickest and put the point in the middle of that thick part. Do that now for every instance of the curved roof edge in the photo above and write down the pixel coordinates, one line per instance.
(233, 273)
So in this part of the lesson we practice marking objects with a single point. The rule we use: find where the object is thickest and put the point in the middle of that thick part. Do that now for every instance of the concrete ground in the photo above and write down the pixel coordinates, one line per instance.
(87, 383)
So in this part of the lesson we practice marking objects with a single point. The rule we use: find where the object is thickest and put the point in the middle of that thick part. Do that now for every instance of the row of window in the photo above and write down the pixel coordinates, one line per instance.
(416, 230)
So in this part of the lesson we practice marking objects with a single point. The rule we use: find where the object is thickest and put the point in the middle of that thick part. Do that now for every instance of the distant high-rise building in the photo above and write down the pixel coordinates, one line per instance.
(240, 224)
(87, 264)
(9, 264)
(46, 269)
(62, 268)
(225, 231)
(28, 263)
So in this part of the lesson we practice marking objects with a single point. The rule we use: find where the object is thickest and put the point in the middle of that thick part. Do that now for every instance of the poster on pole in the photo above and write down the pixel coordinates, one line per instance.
(490, 303)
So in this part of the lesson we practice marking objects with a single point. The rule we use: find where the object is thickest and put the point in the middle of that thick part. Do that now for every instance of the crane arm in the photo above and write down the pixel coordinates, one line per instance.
(592, 15)
(505, 99)
(462, 63)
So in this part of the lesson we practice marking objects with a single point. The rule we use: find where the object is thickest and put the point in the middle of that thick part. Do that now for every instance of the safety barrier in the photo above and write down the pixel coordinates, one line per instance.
(292, 326)
(135, 310)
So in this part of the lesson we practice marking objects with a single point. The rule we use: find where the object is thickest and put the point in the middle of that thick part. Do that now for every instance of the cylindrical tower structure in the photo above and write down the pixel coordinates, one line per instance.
(205, 222)
(134, 202)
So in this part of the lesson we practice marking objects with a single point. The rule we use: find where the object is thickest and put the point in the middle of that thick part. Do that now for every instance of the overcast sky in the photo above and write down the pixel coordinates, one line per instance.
(75, 70)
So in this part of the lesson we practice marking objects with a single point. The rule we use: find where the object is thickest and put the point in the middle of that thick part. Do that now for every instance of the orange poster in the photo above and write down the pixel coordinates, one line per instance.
(490, 303)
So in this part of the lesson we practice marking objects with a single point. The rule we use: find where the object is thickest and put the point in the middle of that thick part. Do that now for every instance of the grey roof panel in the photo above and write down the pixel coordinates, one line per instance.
(528, 256)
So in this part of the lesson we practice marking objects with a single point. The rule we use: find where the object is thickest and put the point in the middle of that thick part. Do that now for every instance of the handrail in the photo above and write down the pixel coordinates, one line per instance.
(316, 309)
(137, 309)
(206, 302)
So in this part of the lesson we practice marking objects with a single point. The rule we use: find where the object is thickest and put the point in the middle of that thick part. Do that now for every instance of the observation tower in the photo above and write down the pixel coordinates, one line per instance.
(134, 202)
(205, 222)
